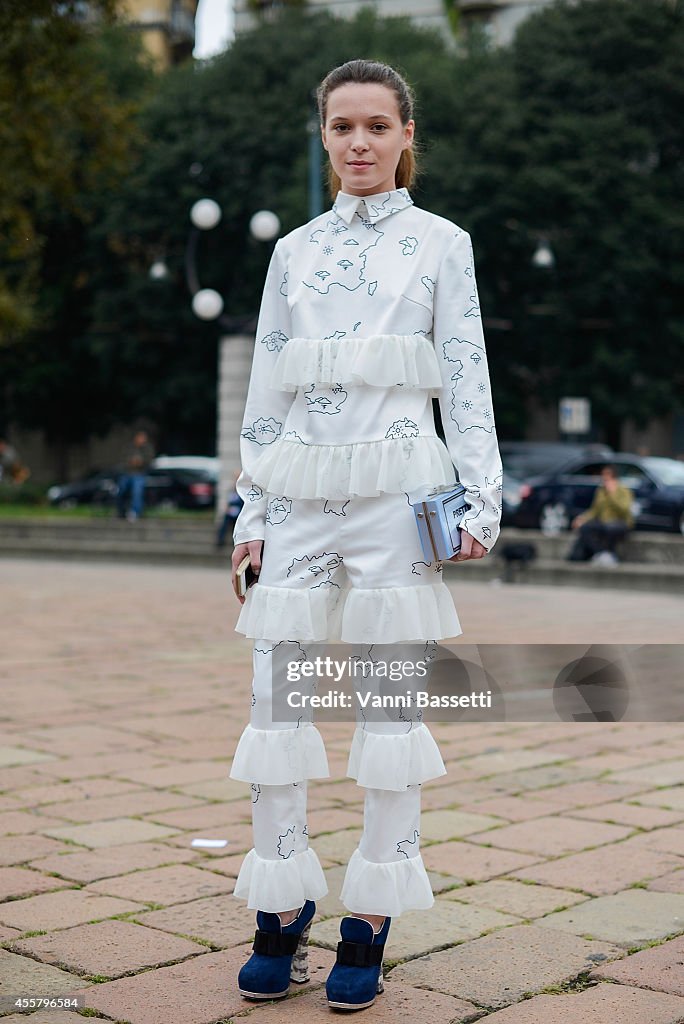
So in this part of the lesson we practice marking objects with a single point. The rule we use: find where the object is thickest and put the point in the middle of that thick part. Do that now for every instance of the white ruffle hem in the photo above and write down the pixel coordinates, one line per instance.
(387, 889)
(283, 884)
(394, 761)
(364, 468)
(277, 757)
(381, 361)
(382, 615)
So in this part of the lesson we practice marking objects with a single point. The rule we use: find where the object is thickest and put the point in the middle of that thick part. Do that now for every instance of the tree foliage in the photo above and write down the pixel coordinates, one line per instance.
(572, 133)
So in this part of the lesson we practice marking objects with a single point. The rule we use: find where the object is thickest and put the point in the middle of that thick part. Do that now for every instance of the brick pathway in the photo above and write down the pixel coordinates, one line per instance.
(556, 851)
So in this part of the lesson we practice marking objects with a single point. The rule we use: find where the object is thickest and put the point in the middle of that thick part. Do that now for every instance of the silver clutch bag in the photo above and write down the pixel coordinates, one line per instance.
(439, 517)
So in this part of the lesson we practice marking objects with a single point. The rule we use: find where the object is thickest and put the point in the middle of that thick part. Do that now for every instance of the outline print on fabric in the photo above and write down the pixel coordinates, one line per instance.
(408, 842)
(256, 792)
(291, 832)
(255, 493)
(283, 283)
(351, 274)
(329, 510)
(410, 244)
(275, 341)
(277, 510)
(313, 568)
(432, 566)
(323, 404)
(263, 431)
(403, 428)
(380, 209)
(292, 435)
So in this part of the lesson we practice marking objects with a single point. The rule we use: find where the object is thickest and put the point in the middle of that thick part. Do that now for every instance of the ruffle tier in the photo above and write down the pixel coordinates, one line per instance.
(380, 361)
(388, 889)
(305, 613)
(277, 885)
(383, 615)
(277, 757)
(394, 760)
(364, 468)
(388, 615)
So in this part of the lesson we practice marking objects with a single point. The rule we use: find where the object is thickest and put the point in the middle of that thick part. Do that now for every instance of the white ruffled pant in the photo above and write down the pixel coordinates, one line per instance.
(354, 571)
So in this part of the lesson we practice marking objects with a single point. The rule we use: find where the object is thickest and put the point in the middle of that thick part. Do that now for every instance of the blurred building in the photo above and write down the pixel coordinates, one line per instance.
(167, 27)
(497, 18)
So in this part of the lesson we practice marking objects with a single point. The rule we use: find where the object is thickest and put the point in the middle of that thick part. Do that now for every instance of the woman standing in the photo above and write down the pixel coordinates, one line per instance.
(369, 311)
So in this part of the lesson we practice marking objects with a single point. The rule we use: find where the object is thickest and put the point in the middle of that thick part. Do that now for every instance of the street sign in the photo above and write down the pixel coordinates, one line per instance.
(574, 415)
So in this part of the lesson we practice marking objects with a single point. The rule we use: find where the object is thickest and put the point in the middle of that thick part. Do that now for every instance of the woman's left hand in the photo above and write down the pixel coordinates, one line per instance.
(470, 548)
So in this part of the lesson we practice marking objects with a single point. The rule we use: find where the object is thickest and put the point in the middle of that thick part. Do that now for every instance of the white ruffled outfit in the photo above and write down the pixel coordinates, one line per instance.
(369, 312)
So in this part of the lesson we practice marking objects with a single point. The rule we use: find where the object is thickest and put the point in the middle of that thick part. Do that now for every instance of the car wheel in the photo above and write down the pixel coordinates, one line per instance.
(554, 518)
(67, 503)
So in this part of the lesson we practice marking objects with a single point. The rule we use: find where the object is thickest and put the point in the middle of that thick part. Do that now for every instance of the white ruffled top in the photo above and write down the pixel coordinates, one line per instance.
(369, 312)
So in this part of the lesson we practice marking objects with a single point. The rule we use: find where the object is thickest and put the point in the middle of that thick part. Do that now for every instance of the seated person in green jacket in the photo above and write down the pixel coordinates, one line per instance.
(607, 520)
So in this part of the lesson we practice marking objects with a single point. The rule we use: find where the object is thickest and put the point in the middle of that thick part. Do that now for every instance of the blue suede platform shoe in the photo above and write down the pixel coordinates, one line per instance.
(356, 977)
(280, 955)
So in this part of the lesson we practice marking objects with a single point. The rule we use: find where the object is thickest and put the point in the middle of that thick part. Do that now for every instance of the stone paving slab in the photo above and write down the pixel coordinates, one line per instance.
(527, 901)
(660, 968)
(112, 832)
(13, 851)
(629, 814)
(673, 882)
(420, 931)
(398, 1003)
(603, 1004)
(176, 883)
(604, 870)
(438, 826)
(21, 755)
(61, 909)
(663, 773)
(628, 918)
(221, 920)
(124, 805)
(88, 866)
(83, 789)
(472, 862)
(49, 1017)
(201, 990)
(28, 978)
(517, 808)
(672, 797)
(503, 967)
(18, 882)
(108, 948)
(551, 836)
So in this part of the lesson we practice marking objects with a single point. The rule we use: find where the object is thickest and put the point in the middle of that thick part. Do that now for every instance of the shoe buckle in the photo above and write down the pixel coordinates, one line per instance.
(359, 954)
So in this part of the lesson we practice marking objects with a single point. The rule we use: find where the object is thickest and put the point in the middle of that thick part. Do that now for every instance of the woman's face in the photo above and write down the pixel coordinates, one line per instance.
(364, 136)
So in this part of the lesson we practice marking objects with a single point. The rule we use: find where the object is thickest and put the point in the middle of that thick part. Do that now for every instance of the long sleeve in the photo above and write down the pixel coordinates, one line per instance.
(466, 399)
(266, 408)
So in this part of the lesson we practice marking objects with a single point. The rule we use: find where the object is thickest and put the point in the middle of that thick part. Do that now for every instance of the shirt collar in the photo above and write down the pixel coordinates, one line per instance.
(373, 207)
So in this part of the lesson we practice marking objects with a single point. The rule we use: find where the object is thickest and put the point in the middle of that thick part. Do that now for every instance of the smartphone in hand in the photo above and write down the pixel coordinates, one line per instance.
(244, 576)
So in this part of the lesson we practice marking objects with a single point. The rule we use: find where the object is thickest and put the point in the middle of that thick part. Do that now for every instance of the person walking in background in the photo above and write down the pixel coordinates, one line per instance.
(137, 462)
(369, 310)
(607, 520)
(12, 471)
(232, 511)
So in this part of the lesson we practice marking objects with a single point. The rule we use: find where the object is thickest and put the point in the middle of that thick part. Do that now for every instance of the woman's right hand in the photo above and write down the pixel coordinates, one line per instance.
(253, 549)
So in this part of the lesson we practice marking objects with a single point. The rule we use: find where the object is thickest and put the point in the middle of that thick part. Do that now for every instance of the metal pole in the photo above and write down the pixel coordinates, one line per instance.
(315, 183)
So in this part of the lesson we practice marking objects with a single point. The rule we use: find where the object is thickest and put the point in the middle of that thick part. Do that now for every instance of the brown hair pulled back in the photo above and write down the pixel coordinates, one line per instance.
(364, 71)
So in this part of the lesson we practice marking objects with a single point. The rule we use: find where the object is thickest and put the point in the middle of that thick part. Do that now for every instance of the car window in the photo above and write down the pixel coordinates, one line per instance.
(630, 475)
(670, 471)
(587, 469)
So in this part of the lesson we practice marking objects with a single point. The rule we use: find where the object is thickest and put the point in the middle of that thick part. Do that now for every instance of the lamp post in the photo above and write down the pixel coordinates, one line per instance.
(236, 344)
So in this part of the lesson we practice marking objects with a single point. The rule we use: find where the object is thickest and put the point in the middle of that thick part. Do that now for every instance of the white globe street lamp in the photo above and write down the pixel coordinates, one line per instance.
(264, 225)
(207, 304)
(205, 214)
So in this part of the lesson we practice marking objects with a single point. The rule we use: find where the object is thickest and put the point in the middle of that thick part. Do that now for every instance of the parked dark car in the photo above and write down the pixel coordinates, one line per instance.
(165, 488)
(525, 459)
(552, 500)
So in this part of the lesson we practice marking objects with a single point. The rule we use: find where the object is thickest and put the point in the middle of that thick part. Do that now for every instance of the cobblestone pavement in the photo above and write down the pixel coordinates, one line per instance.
(556, 850)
